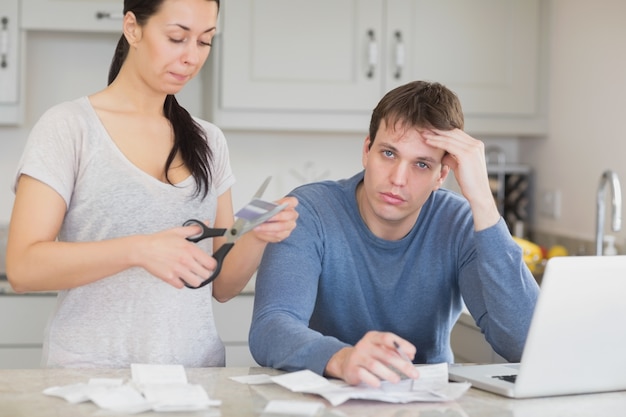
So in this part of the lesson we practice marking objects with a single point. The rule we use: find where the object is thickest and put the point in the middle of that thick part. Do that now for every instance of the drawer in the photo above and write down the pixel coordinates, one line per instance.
(469, 344)
(24, 357)
(23, 318)
(233, 318)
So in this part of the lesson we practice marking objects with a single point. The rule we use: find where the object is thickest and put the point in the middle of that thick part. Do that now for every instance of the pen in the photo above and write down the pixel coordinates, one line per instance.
(401, 353)
(406, 358)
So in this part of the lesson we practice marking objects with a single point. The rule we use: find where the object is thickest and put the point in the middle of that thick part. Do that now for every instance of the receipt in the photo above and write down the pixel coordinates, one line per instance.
(432, 386)
(153, 387)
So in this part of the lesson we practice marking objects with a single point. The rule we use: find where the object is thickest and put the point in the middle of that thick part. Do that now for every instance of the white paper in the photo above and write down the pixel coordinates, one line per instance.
(432, 377)
(177, 397)
(77, 393)
(293, 408)
(433, 388)
(123, 399)
(256, 379)
(153, 387)
(301, 381)
(74, 393)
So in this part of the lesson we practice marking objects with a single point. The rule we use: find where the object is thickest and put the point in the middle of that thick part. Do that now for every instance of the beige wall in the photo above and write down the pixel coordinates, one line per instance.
(587, 112)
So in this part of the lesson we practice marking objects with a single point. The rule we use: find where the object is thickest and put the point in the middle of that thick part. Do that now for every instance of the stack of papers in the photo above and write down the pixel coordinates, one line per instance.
(432, 386)
(152, 388)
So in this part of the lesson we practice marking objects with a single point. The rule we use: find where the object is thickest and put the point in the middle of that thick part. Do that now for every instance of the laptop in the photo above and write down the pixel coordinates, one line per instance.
(577, 338)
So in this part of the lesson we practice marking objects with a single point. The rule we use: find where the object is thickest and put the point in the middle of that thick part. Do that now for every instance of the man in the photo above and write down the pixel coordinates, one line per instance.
(380, 264)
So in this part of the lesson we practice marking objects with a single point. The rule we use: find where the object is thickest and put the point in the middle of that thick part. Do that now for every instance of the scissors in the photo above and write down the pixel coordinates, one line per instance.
(253, 214)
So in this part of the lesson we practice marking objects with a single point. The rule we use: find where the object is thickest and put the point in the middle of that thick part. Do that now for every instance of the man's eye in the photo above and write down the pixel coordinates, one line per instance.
(422, 165)
(388, 154)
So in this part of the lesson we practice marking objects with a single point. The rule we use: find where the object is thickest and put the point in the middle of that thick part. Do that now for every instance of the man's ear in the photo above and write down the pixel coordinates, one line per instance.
(445, 170)
(132, 30)
(366, 150)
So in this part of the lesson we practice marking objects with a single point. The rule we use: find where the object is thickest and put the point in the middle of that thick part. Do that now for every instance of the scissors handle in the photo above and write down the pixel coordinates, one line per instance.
(219, 256)
(205, 233)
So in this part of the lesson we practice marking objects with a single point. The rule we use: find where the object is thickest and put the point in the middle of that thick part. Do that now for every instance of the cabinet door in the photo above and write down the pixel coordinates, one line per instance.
(484, 50)
(232, 320)
(73, 15)
(23, 320)
(295, 55)
(10, 40)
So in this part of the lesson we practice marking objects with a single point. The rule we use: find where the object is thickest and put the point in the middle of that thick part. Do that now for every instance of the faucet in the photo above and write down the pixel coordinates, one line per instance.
(608, 177)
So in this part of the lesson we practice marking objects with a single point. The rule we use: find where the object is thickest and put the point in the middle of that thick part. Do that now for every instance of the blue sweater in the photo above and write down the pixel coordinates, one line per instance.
(333, 280)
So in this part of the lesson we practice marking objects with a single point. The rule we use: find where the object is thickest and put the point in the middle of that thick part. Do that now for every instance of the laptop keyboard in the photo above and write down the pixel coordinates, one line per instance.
(508, 378)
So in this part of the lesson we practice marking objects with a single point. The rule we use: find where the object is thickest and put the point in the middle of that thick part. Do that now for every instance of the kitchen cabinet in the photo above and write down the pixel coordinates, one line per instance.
(10, 63)
(512, 188)
(327, 65)
(23, 320)
(232, 320)
(469, 344)
(72, 15)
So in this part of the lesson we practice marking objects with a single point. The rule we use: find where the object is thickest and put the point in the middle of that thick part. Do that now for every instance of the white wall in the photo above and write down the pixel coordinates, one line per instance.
(587, 108)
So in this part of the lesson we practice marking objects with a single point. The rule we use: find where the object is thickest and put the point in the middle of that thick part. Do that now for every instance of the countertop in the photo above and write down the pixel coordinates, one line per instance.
(21, 395)
(6, 289)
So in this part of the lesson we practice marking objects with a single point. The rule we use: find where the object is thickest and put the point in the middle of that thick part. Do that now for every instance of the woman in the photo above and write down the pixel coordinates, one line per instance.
(102, 188)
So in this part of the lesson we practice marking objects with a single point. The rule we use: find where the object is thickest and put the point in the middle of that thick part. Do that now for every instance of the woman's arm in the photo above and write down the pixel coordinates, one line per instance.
(244, 258)
(36, 261)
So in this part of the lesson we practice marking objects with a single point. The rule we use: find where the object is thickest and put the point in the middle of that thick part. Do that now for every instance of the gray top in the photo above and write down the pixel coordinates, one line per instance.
(332, 280)
(131, 316)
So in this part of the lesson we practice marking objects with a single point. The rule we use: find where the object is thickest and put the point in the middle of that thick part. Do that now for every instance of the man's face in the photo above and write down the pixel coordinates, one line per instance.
(401, 172)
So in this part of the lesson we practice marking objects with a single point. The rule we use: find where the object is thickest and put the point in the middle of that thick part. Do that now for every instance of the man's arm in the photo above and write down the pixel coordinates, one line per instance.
(499, 291)
(466, 157)
(285, 294)
(497, 287)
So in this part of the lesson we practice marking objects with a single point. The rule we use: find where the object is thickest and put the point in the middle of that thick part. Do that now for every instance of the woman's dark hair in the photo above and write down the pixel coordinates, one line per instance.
(418, 104)
(189, 137)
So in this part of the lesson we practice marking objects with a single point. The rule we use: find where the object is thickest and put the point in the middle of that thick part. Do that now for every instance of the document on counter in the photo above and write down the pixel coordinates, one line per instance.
(152, 388)
(431, 386)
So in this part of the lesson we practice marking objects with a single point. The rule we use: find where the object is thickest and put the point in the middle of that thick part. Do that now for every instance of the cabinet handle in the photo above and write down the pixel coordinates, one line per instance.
(4, 42)
(400, 55)
(109, 16)
(372, 54)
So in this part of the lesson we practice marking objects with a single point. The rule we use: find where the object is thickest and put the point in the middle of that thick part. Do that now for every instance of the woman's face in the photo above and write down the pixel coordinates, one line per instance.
(174, 43)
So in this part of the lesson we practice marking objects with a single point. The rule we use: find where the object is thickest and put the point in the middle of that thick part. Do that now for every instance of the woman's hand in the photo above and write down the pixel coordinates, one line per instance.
(169, 256)
(279, 227)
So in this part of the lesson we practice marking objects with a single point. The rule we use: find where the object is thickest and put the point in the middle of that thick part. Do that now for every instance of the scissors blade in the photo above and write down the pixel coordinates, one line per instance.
(238, 228)
(247, 218)
(262, 188)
